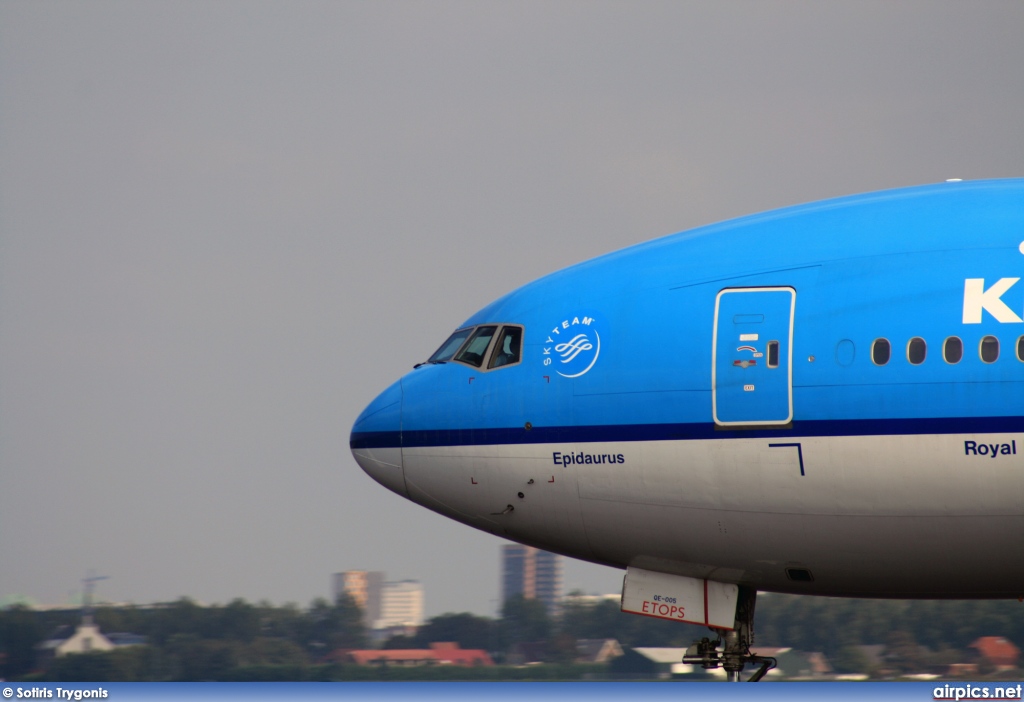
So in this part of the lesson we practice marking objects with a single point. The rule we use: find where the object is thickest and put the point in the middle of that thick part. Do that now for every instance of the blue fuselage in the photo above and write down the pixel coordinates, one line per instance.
(869, 347)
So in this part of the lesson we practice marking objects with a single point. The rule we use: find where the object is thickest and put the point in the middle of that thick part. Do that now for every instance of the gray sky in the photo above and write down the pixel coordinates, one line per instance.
(225, 226)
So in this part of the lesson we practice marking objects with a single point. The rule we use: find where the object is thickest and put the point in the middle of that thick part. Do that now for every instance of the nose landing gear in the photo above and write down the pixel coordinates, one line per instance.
(735, 653)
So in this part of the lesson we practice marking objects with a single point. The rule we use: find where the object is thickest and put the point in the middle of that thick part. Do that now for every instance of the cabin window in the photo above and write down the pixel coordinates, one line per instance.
(773, 354)
(473, 352)
(799, 575)
(917, 349)
(449, 347)
(989, 349)
(952, 350)
(880, 351)
(508, 349)
(1020, 349)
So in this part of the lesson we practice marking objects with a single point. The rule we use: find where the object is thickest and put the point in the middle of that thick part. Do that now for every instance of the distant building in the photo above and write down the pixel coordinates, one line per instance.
(442, 653)
(364, 587)
(85, 639)
(532, 573)
(597, 650)
(997, 651)
(591, 600)
(384, 604)
(401, 605)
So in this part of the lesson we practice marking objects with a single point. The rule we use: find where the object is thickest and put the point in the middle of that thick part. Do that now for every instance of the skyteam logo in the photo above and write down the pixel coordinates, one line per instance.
(572, 346)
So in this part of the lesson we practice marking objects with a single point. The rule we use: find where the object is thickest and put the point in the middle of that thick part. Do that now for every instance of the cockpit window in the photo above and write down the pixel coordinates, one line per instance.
(449, 347)
(474, 350)
(470, 346)
(507, 350)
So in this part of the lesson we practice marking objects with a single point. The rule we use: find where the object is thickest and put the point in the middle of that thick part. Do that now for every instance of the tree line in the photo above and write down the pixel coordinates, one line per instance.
(244, 641)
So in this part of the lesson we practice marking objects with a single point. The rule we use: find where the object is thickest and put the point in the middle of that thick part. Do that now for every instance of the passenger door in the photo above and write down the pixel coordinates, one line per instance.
(752, 356)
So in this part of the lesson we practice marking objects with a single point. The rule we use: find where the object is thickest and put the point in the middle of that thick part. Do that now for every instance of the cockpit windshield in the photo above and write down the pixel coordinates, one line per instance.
(506, 351)
(473, 346)
(474, 350)
(449, 347)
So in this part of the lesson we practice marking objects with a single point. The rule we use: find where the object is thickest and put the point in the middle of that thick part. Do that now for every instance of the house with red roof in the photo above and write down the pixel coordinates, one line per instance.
(998, 651)
(440, 653)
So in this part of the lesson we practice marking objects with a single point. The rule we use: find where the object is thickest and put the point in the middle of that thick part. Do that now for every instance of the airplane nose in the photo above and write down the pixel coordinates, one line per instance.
(376, 440)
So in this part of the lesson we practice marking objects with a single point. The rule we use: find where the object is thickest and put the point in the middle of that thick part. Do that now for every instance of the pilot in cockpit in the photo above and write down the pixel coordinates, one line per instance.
(508, 347)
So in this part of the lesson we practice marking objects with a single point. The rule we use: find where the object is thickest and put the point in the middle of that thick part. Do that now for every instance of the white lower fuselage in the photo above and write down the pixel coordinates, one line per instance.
(899, 516)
